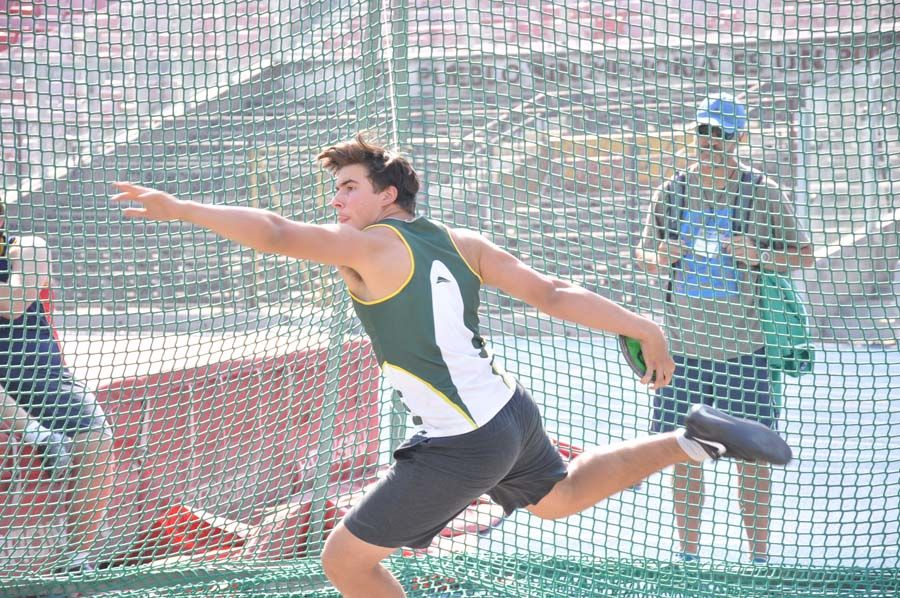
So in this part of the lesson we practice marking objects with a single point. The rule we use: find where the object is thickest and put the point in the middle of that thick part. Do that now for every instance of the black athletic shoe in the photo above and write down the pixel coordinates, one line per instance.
(722, 435)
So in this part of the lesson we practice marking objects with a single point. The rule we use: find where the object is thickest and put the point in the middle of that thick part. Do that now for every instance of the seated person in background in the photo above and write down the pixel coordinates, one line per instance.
(42, 402)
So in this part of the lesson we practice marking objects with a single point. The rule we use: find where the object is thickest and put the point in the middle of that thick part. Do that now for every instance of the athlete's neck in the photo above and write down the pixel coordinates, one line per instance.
(397, 213)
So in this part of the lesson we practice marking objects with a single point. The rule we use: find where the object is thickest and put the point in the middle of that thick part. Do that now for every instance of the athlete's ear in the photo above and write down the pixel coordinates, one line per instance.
(389, 195)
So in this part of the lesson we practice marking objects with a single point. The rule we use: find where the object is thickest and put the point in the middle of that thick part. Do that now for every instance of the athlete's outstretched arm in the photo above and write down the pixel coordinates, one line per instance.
(500, 269)
(332, 244)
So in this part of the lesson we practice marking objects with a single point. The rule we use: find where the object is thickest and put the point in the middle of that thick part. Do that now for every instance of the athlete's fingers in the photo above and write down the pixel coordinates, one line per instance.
(663, 378)
(647, 378)
(143, 195)
(127, 187)
(120, 197)
(135, 213)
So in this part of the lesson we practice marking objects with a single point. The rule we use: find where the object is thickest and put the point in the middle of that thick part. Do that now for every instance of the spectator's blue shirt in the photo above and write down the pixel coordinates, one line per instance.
(711, 301)
(706, 271)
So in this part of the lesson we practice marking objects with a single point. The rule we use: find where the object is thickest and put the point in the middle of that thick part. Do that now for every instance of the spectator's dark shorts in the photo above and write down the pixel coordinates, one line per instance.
(434, 479)
(32, 371)
(68, 408)
(739, 387)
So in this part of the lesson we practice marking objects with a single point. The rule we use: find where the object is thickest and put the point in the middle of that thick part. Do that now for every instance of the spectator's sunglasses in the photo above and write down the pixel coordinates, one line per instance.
(708, 130)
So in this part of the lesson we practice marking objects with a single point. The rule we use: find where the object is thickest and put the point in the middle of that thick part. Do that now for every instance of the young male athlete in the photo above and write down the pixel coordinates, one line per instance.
(415, 286)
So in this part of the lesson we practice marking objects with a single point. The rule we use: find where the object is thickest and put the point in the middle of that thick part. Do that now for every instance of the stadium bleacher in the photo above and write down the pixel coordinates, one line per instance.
(78, 72)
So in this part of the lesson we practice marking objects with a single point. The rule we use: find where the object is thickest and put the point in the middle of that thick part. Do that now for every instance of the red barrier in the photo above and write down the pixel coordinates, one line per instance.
(184, 534)
(180, 530)
(231, 437)
(282, 531)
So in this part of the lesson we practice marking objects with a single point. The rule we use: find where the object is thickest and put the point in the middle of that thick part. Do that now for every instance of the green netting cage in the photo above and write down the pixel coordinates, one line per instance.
(246, 406)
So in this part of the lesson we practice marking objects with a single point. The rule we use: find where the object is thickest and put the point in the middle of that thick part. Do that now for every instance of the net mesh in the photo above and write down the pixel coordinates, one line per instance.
(245, 403)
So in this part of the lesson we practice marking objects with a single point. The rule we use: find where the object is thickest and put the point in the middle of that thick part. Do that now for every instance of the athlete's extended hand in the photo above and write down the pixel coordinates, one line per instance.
(155, 204)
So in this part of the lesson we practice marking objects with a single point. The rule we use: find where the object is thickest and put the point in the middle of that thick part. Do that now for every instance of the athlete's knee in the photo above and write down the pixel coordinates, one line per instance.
(345, 557)
(547, 512)
(559, 503)
(331, 563)
(336, 562)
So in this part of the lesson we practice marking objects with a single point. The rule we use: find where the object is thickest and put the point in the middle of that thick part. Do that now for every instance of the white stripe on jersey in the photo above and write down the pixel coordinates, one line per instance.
(482, 391)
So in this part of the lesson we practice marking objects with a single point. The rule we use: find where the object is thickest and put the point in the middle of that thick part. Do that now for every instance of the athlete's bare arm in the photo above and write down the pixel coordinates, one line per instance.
(561, 299)
(331, 244)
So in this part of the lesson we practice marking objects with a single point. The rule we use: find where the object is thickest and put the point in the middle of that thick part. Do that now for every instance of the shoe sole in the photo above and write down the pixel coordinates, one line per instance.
(743, 439)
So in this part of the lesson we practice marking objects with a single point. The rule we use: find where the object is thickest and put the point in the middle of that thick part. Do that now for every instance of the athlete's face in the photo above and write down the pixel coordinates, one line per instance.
(355, 200)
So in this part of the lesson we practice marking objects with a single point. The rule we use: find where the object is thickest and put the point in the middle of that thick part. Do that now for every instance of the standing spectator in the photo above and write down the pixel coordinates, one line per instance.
(708, 233)
(40, 399)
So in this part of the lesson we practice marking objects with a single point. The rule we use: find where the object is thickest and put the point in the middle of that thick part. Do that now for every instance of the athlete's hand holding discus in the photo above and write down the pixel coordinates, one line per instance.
(654, 365)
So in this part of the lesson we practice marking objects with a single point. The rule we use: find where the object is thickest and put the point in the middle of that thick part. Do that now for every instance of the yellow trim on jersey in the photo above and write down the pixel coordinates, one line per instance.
(461, 256)
(412, 269)
(443, 397)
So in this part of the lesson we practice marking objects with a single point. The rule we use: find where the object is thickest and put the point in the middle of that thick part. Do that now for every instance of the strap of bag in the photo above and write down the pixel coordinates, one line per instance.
(676, 191)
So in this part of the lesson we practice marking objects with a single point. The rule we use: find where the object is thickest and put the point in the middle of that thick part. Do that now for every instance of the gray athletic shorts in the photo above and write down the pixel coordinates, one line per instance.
(433, 480)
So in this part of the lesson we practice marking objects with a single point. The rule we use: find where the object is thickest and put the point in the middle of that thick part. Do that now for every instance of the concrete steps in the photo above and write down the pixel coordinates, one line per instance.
(561, 174)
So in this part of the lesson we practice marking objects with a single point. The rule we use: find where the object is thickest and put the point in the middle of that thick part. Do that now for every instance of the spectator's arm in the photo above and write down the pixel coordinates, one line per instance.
(656, 251)
(29, 272)
(659, 258)
(779, 244)
(790, 258)
(785, 259)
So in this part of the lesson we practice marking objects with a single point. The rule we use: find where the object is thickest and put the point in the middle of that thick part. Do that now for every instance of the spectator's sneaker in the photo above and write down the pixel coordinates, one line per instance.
(54, 448)
(75, 569)
(72, 568)
(79, 562)
(722, 435)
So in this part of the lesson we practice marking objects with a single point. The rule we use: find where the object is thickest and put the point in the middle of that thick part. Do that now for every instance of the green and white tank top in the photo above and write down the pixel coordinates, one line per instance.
(425, 336)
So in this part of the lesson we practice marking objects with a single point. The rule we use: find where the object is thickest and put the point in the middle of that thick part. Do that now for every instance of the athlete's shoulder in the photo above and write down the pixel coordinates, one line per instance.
(470, 245)
(466, 236)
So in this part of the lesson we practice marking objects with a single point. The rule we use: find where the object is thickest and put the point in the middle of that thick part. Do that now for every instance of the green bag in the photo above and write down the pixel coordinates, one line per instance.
(784, 323)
